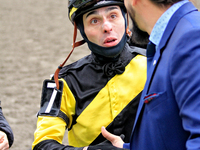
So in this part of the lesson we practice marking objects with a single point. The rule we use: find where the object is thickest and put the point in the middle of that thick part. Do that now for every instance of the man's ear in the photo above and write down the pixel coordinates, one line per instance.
(134, 2)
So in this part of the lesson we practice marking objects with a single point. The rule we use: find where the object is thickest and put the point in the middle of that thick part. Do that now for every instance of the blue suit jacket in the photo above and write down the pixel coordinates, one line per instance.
(171, 118)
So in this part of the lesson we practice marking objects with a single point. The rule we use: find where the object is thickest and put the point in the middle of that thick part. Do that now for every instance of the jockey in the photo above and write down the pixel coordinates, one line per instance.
(101, 89)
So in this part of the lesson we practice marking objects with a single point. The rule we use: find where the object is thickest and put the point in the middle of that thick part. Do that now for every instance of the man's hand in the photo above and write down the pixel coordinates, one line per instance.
(85, 148)
(115, 140)
(4, 145)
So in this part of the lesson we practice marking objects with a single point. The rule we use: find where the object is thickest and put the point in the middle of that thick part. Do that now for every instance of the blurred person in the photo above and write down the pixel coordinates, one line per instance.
(6, 134)
(168, 115)
(101, 89)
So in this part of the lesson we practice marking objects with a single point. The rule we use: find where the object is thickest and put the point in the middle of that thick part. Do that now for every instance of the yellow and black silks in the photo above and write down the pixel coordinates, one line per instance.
(96, 95)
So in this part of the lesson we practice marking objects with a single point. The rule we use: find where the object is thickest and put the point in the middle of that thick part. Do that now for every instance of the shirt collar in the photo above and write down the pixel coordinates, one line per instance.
(162, 22)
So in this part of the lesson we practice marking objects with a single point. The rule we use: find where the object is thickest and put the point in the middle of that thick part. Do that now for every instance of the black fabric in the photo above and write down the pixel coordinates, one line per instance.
(138, 50)
(54, 145)
(5, 127)
(106, 145)
(46, 96)
(83, 81)
(123, 123)
(63, 116)
(111, 69)
(151, 49)
(91, 6)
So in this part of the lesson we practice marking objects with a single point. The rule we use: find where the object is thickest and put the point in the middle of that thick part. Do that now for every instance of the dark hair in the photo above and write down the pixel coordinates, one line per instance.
(165, 2)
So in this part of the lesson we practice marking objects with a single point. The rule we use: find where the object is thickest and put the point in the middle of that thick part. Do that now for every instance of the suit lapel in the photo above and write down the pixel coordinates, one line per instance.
(186, 8)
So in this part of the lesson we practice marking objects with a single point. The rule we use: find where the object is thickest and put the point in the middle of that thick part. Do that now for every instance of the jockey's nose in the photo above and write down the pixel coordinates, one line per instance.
(107, 27)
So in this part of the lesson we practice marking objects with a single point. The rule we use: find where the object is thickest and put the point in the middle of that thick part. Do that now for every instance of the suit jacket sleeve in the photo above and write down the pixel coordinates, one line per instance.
(185, 76)
(126, 145)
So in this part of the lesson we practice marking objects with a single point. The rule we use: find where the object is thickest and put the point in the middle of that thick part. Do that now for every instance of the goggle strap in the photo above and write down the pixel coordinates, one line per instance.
(75, 44)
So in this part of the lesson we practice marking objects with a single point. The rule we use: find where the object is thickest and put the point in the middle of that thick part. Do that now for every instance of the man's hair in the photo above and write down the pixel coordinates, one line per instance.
(165, 2)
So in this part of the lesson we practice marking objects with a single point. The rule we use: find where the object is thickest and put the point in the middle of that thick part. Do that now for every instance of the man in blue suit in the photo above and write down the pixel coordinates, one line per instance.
(168, 116)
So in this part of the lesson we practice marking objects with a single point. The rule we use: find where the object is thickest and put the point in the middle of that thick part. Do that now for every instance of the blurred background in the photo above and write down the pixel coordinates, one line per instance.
(35, 37)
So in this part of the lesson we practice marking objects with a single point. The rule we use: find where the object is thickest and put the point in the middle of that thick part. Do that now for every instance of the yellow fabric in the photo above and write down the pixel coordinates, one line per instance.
(110, 101)
(49, 128)
(54, 127)
(68, 102)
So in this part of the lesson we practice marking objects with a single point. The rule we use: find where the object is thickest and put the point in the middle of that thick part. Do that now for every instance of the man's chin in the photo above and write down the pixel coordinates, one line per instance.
(139, 37)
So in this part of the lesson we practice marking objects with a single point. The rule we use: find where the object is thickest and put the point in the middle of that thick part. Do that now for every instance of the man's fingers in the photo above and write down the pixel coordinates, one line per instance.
(110, 137)
(85, 148)
(2, 135)
(115, 140)
(4, 146)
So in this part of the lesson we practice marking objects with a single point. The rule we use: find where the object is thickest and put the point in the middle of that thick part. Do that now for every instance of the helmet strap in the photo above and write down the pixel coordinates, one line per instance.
(79, 43)
(75, 44)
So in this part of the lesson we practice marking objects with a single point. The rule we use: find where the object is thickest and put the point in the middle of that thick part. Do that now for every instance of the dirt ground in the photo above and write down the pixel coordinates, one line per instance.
(35, 37)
